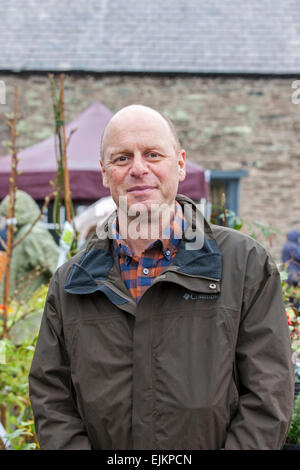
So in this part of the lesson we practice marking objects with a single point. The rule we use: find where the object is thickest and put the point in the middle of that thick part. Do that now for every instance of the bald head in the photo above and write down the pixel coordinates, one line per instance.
(138, 114)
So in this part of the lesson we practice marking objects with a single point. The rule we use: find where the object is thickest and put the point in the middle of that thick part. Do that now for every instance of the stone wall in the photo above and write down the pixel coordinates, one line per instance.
(223, 123)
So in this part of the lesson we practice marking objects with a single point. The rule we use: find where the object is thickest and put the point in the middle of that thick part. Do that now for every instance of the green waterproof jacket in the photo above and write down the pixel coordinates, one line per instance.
(203, 361)
(38, 249)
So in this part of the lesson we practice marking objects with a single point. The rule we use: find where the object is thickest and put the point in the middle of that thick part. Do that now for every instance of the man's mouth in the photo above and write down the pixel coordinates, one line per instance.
(143, 188)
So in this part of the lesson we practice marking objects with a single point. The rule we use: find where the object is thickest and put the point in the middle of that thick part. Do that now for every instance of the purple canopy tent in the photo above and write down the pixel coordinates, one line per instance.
(195, 185)
(38, 163)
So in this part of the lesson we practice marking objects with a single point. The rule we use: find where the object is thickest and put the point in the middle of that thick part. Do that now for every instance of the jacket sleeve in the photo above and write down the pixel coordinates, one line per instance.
(264, 365)
(57, 421)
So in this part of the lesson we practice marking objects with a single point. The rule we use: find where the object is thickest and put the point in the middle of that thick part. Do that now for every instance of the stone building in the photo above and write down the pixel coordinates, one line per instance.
(226, 72)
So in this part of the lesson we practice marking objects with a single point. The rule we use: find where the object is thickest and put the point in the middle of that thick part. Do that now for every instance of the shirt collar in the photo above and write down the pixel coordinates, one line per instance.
(167, 244)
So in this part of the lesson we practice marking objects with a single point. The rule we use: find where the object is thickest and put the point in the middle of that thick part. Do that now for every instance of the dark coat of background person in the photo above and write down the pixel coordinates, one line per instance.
(291, 256)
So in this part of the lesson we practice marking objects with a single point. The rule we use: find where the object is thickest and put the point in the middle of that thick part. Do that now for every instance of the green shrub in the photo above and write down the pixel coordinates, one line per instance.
(294, 430)
(14, 394)
(16, 354)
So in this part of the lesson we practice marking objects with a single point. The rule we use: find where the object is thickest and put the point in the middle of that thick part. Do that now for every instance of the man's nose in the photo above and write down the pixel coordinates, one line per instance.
(139, 166)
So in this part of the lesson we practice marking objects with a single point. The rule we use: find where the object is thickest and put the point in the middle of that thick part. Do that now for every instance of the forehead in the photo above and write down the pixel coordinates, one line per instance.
(130, 130)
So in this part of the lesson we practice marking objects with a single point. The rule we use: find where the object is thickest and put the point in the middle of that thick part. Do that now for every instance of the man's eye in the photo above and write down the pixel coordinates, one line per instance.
(153, 155)
(121, 159)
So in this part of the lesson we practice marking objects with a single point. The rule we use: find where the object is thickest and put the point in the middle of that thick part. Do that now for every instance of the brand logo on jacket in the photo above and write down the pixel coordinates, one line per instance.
(193, 296)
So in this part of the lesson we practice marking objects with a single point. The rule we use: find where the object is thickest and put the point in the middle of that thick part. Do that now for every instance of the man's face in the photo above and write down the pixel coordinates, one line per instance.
(140, 160)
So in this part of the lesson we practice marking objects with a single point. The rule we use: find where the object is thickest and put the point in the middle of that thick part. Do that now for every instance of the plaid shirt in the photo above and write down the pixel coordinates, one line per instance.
(138, 273)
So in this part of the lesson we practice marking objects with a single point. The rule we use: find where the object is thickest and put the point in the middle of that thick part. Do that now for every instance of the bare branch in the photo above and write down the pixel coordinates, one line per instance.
(70, 135)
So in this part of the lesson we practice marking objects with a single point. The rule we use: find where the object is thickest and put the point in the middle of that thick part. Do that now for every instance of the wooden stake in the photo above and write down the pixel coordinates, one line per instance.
(3, 415)
(64, 142)
(11, 214)
(3, 421)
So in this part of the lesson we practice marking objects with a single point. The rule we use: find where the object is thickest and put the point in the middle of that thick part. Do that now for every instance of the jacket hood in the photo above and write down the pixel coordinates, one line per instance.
(293, 236)
(27, 209)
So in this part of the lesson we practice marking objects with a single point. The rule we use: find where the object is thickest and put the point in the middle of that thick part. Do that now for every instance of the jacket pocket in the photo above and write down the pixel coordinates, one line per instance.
(233, 399)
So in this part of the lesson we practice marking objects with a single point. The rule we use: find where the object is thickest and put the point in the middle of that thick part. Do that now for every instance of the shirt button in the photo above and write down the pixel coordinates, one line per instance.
(146, 271)
(212, 286)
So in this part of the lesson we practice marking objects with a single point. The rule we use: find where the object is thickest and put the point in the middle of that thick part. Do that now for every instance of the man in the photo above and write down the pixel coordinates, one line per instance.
(168, 334)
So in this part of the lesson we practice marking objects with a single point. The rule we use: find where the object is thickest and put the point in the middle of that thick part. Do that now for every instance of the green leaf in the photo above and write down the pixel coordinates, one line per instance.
(3, 352)
(238, 226)
(31, 446)
(283, 275)
(17, 433)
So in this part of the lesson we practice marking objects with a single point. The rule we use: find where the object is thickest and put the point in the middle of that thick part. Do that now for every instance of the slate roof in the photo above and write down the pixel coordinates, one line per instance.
(198, 36)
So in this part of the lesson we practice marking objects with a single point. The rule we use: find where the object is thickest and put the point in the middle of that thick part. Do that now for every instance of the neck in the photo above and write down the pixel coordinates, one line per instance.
(147, 227)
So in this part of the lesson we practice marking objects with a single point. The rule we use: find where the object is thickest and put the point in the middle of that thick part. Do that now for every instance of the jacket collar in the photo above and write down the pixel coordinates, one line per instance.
(198, 256)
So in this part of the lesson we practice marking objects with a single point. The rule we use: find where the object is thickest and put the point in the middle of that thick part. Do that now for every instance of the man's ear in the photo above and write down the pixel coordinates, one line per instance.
(104, 175)
(181, 165)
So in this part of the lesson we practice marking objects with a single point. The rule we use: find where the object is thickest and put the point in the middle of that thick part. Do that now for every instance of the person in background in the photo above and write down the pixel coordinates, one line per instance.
(37, 250)
(291, 261)
(33, 262)
(291, 256)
